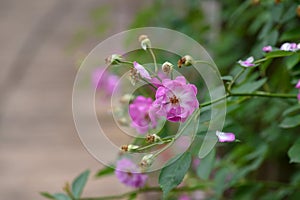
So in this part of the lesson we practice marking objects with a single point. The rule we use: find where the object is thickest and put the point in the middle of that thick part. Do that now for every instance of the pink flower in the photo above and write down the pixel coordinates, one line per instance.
(225, 137)
(127, 173)
(267, 48)
(184, 197)
(247, 63)
(289, 47)
(298, 85)
(104, 81)
(175, 99)
(141, 70)
(139, 113)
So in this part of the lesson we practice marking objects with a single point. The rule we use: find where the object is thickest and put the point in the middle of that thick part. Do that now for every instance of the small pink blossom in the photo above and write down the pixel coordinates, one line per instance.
(128, 173)
(139, 113)
(298, 85)
(141, 70)
(267, 48)
(225, 137)
(104, 81)
(184, 197)
(289, 47)
(247, 63)
(175, 99)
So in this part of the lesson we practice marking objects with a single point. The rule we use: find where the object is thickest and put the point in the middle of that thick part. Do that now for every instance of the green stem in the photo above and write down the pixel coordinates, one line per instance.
(148, 189)
(265, 94)
(235, 78)
(154, 59)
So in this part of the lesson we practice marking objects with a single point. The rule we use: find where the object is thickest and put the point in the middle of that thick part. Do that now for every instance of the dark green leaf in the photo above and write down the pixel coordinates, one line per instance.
(279, 53)
(206, 165)
(250, 86)
(292, 60)
(290, 122)
(227, 78)
(79, 183)
(292, 110)
(294, 152)
(174, 171)
(105, 171)
(47, 195)
(290, 35)
(289, 14)
(61, 196)
(132, 196)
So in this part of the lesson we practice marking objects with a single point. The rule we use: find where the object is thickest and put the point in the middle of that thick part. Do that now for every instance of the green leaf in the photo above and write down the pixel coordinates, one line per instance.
(174, 171)
(47, 195)
(206, 165)
(292, 60)
(290, 122)
(279, 53)
(250, 86)
(79, 183)
(292, 110)
(61, 196)
(290, 35)
(227, 78)
(105, 171)
(289, 14)
(294, 152)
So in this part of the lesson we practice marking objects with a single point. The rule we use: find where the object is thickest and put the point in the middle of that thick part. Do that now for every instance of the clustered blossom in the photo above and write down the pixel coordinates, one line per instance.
(104, 81)
(127, 173)
(175, 99)
(139, 113)
(249, 62)
(290, 46)
(225, 137)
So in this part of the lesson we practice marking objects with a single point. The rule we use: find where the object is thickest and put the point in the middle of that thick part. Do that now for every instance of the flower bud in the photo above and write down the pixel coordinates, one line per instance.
(147, 160)
(153, 138)
(167, 67)
(114, 59)
(129, 147)
(145, 42)
(186, 60)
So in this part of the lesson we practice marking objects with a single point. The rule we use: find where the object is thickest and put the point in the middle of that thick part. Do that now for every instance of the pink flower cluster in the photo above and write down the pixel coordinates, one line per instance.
(174, 99)
(127, 173)
(104, 81)
(288, 46)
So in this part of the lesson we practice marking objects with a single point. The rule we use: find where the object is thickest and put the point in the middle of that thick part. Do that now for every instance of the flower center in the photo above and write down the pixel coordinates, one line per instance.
(174, 100)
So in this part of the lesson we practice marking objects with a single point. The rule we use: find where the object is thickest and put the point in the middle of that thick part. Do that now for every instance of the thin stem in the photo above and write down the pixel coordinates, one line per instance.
(235, 78)
(149, 189)
(214, 101)
(265, 94)
(154, 59)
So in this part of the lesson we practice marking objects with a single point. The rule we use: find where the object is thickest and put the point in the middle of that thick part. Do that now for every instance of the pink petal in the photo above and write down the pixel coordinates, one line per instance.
(225, 137)
(141, 70)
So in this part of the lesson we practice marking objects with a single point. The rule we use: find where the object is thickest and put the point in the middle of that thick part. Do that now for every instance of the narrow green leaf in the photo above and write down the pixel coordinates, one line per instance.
(227, 78)
(174, 171)
(47, 195)
(290, 122)
(206, 165)
(292, 110)
(105, 171)
(79, 183)
(294, 152)
(289, 13)
(61, 196)
(279, 53)
(250, 86)
(290, 35)
(292, 60)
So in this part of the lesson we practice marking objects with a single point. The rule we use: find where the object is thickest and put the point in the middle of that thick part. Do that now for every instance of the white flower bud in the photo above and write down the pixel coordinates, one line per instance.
(167, 67)
(186, 60)
(145, 42)
(147, 160)
(114, 59)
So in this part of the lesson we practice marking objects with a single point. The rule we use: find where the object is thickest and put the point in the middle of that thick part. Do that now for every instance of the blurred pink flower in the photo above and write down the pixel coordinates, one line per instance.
(139, 113)
(267, 48)
(175, 99)
(225, 137)
(184, 197)
(104, 81)
(141, 70)
(298, 85)
(290, 46)
(247, 63)
(128, 173)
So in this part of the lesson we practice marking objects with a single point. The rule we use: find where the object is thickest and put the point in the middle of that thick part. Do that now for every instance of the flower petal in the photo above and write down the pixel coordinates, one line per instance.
(141, 70)
(225, 137)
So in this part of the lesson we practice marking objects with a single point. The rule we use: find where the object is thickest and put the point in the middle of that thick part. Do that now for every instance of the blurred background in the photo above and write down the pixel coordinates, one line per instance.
(43, 43)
